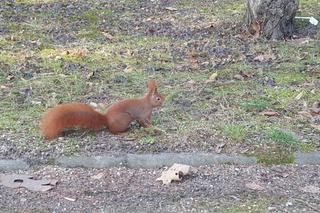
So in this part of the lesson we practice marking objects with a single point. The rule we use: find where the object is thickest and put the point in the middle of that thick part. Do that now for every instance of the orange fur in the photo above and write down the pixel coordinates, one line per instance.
(117, 118)
(69, 115)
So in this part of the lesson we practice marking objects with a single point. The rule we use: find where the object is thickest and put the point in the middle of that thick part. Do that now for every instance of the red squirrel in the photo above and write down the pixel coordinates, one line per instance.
(117, 118)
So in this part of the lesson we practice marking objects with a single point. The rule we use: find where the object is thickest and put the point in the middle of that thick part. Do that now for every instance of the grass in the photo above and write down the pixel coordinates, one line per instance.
(147, 140)
(256, 104)
(283, 137)
(180, 50)
(236, 132)
(72, 147)
(275, 155)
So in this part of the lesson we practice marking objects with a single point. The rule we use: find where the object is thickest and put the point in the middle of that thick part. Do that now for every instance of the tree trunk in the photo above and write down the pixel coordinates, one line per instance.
(272, 19)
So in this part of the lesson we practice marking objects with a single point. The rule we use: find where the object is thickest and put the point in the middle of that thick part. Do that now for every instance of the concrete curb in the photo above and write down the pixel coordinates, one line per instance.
(147, 161)
(10, 165)
(307, 158)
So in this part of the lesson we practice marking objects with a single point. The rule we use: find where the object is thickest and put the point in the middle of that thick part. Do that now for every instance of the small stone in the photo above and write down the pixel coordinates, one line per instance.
(271, 208)
(120, 79)
(289, 204)
(238, 77)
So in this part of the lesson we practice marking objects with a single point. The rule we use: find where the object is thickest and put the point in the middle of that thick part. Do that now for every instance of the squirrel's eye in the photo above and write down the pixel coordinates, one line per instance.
(158, 98)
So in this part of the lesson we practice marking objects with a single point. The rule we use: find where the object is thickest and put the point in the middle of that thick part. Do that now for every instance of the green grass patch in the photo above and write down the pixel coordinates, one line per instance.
(290, 77)
(256, 104)
(282, 137)
(71, 147)
(236, 132)
(283, 96)
(147, 140)
(275, 155)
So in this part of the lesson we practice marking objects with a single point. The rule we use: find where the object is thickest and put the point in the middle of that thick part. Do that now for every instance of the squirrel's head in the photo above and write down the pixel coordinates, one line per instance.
(155, 98)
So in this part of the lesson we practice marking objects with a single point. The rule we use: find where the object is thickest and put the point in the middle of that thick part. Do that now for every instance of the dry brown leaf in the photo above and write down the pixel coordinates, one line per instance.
(90, 75)
(219, 147)
(108, 36)
(315, 108)
(97, 176)
(190, 83)
(174, 173)
(26, 181)
(247, 74)
(264, 57)
(254, 186)
(75, 53)
(302, 41)
(256, 26)
(305, 113)
(269, 113)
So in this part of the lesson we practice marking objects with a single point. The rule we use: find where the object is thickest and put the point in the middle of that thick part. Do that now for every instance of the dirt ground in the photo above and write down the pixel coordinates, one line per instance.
(218, 80)
(98, 52)
(220, 188)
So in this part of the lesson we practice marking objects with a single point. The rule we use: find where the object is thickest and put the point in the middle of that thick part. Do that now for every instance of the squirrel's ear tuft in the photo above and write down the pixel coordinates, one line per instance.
(152, 86)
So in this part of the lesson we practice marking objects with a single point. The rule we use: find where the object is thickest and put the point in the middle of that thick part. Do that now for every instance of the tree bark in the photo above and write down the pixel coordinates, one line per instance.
(272, 19)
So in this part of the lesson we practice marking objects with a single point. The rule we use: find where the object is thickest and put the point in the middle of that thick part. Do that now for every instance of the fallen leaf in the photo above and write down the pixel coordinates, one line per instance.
(284, 175)
(175, 173)
(256, 26)
(97, 176)
(76, 53)
(254, 186)
(108, 36)
(247, 74)
(305, 113)
(315, 108)
(219, 147)
(305, 40)
(3, 87)
(191, 82)
(269, 113)
(311, 189)
(264, 57)
(90, 75)
(27, 181)
(171, 8)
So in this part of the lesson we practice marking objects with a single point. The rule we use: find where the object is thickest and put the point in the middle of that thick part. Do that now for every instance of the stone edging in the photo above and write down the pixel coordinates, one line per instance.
(152, 160)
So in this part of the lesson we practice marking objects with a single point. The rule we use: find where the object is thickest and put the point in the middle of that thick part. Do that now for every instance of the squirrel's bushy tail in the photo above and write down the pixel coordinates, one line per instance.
(64, 116)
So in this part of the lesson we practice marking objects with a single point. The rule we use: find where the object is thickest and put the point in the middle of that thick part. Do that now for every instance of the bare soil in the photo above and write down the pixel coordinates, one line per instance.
(220, 188)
